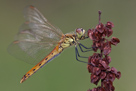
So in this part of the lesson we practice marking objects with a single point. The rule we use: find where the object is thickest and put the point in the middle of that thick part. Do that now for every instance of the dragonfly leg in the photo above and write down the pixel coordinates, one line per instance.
(77, 55)
(86, 37)
(81, 45)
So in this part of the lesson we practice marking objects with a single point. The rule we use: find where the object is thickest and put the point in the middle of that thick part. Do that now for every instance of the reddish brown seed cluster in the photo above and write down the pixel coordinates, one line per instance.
(101, 70)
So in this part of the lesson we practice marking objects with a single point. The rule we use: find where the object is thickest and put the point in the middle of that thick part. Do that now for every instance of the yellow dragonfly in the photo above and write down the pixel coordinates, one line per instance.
(37, 36)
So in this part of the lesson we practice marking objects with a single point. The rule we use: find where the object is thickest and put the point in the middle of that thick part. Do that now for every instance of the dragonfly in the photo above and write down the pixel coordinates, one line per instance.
(37, 36)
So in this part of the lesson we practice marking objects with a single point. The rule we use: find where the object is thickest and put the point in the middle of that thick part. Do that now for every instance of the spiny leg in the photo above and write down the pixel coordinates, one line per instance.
(77, 55)
(86, 37)
(81, 45)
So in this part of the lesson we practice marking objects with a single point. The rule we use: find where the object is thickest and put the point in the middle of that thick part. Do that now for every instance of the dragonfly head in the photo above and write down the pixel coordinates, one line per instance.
(80, 32)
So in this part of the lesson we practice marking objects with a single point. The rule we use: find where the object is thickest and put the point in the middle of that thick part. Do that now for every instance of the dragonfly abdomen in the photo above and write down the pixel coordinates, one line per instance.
(54, 53)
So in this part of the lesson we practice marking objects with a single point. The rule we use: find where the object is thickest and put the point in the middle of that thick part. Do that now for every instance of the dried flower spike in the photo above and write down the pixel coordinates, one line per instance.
(101, 70)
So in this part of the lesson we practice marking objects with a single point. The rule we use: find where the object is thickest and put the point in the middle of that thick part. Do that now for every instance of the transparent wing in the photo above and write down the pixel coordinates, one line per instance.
(35, 39)
(36, 21)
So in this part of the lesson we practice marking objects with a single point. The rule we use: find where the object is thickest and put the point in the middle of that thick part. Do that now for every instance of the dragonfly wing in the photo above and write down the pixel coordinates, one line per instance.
(29, 47)
(35, 39)
(36, 20)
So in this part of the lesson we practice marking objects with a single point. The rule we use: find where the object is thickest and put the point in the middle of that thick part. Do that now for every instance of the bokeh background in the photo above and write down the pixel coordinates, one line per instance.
(64, 73)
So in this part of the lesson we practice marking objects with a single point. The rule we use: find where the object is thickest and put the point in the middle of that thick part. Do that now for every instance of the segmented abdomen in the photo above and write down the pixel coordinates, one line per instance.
(55, 52)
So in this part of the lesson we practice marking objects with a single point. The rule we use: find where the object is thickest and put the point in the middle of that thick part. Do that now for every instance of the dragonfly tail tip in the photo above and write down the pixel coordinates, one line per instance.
(22, 80)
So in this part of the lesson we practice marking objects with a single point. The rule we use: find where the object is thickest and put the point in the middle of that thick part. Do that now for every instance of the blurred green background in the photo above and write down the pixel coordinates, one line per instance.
(64, 73)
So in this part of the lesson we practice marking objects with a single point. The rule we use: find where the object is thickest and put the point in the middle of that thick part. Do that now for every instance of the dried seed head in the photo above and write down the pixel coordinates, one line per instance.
(101, 70)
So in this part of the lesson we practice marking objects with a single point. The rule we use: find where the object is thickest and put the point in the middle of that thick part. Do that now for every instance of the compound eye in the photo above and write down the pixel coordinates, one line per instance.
(79, 30)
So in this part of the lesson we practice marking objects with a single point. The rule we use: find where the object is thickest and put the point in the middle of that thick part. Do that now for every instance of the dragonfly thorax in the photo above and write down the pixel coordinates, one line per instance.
(71, 39)
(68, 40)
